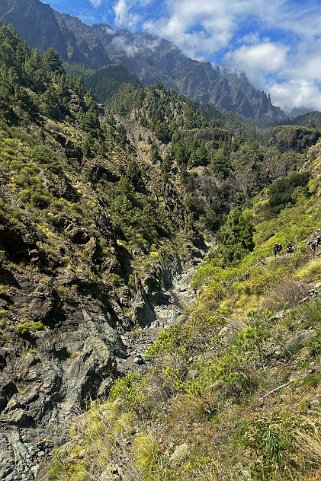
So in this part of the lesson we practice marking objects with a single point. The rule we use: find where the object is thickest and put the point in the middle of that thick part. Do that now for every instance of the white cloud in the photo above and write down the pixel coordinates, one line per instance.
(296, 94)
(259, 61)
(265, 57)
(203, 28)
(124, 17)
(279, 48)
(96, 3)
(132, 48)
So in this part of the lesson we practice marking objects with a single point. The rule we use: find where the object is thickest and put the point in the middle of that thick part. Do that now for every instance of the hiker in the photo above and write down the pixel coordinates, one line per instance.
(277, 249)
(290, 248)
(313, 247)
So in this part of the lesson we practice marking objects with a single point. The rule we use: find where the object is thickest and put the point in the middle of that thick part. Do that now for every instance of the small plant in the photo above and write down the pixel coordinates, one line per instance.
(3, 292)
(312, 380)
(146, 451)
(25, 328)
(31, 350)
(271, 436)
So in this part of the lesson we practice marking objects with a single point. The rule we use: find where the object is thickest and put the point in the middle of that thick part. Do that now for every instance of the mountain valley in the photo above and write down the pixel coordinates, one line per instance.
(148, 329)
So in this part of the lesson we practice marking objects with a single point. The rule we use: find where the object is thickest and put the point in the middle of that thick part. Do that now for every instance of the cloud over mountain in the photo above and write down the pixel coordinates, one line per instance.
(277, 45)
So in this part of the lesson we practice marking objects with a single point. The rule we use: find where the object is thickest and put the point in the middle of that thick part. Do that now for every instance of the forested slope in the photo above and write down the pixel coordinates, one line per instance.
(234, 392)
(99, 210)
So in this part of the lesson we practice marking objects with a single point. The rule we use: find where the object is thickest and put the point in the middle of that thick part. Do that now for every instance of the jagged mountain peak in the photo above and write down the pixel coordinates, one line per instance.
(151, 58)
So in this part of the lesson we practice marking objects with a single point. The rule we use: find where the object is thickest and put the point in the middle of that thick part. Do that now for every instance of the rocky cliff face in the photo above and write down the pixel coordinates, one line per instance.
(288, 137)
(151, 58)
(157, 60)
(62, 347)
(38, 24)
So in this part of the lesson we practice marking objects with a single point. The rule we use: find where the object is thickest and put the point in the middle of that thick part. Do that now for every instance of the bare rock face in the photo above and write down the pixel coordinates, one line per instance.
(60, 346)
(289, 137)
(49, 375)
(38, 25)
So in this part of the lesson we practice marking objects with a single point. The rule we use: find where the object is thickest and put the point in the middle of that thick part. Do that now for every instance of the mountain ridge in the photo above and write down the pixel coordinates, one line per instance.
(99, 211)
(151, 58)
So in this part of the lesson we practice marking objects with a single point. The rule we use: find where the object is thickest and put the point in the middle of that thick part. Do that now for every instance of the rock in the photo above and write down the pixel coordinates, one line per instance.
(288, 137)
(300, 339)
(77, 235)
(7, 390)
(104, 388)
(230, 331)
(193, 374)
(317, 287)
(72, 151)
(218, 439)
(180, 454)
(99, 172)
(314, 404)
(19, 417)
(277, 316)
(139, 360)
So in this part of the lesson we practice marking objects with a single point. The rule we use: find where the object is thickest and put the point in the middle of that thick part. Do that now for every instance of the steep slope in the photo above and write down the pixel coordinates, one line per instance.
(89, 238)
(98, 212)
(105, 81)
(39, 25)
(234, 392)
(294, 138)
(310, 119)
(151, 58)
(157, 60)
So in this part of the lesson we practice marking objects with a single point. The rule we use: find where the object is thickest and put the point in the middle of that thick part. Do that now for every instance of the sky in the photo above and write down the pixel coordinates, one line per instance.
(277, 43)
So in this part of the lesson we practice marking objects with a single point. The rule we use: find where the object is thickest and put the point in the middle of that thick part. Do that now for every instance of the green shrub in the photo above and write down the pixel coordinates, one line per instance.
(313, 379)
(284, 191)
(39, 199)
(270, 436)
(42, 154)
(25, 328)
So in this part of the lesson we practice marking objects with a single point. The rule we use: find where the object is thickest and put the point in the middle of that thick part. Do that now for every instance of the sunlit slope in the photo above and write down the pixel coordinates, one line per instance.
(234, 393)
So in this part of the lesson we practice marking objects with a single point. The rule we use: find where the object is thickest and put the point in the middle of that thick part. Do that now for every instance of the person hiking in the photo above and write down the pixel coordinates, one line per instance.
(290, 248)
(277, 249)
(313, 246)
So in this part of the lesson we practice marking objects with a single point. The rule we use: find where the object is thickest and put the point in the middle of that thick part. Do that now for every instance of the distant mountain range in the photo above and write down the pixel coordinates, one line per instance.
(151, 58)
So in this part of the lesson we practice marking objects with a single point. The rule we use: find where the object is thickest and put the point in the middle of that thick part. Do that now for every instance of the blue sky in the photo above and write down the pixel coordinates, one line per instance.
(276, 43)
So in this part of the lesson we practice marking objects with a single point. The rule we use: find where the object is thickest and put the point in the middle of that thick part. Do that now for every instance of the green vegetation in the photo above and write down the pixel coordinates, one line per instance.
(286, 191)
(231, 394)
(25, 328)
(104, 82)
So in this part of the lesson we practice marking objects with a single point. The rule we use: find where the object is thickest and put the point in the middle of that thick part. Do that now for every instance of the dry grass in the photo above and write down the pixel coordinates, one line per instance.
(311, 271)
(285, 294)
(308, 443)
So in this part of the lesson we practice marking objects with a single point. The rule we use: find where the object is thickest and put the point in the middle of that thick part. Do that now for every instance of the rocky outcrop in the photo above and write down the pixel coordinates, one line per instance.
(58, 355)
(288, 137)
(40, 27)
(62, 348)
